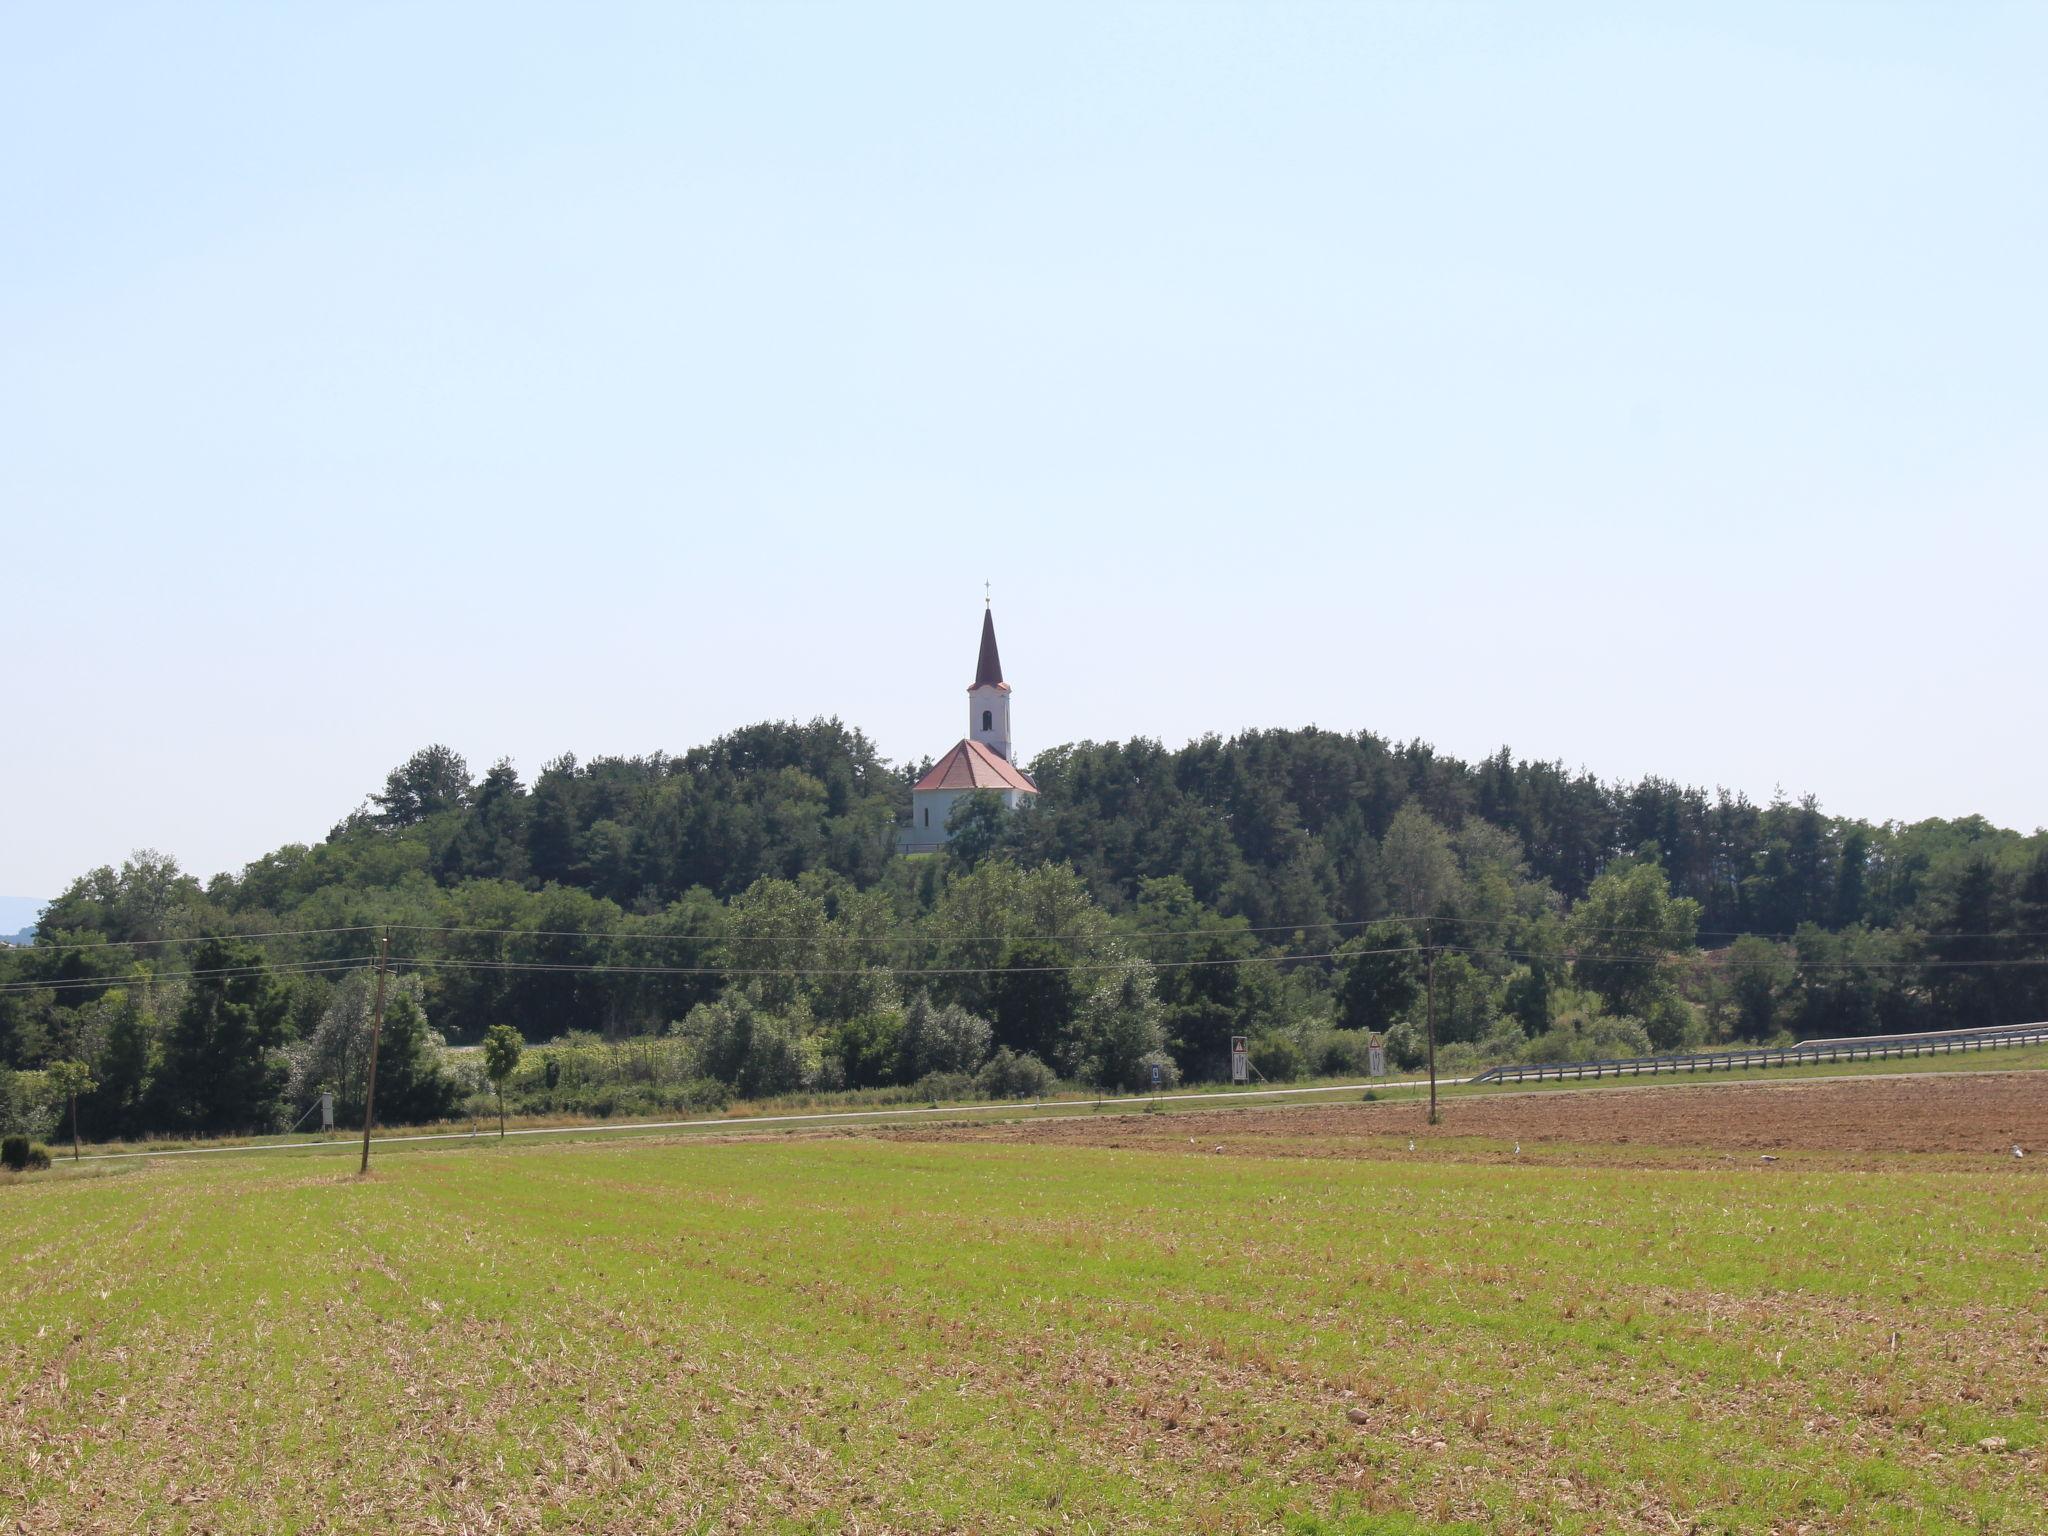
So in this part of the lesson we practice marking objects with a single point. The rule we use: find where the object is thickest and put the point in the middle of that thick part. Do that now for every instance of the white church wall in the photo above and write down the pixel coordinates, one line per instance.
(992, 704)
(929, 810)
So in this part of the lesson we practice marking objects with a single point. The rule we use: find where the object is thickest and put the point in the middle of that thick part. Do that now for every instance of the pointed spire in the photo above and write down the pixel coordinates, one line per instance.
(988, 669)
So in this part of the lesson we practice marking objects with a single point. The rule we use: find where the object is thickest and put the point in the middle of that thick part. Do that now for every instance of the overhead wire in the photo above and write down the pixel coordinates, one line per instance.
(265, 968)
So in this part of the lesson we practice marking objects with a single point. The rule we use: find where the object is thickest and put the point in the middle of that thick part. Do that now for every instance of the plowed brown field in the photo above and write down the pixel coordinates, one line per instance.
(1975, 1113)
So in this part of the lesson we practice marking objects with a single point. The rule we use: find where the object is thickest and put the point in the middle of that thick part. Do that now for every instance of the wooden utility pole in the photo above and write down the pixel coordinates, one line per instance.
(1429, 939)
(376, 1031)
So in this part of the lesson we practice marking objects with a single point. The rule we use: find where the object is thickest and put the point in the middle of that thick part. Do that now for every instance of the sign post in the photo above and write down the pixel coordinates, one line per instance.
(1376, 1056)
(1240, 1060)
(327, 1111)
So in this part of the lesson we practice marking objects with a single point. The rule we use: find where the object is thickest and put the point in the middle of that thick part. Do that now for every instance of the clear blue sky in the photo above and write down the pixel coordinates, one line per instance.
(1658, 392)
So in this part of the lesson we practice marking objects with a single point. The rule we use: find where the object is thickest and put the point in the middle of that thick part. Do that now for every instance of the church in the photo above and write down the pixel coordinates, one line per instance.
(979, 763)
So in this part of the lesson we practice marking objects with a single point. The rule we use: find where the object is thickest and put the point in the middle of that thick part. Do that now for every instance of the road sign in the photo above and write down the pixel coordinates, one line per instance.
(1376, 1057)
(326, 1112)
(1155, 1077)
(1240, 1060)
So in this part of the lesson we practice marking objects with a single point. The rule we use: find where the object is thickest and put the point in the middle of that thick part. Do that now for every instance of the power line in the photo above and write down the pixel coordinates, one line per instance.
(1566, 956)
(264, 968)
(41, 948)
(433, 962)
(1120, 936)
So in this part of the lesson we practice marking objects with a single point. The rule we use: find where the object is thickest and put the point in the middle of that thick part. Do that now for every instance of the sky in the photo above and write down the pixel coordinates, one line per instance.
(1654, 389)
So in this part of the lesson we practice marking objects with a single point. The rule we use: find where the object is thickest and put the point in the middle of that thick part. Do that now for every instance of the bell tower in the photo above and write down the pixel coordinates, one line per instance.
(988, 697)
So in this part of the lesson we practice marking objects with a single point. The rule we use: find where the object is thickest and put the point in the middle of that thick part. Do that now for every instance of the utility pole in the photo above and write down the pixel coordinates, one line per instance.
(377, 1030)
(1429, 940)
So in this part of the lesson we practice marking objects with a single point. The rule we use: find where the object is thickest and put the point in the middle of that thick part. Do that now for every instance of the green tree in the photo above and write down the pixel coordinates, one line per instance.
(944, 1038)
(124, 1061)
(502, 1045)
(1035, 998)
(1624, 935)
(222, 1070)
(1760, 979)
(434, 779)
(1416, 859)
(1467, 1000)
(869, 1048)
(1380, 976)
(975, 828)
(1121, 1028)
(413, 1084)
(754, 1052)
(69, 1079)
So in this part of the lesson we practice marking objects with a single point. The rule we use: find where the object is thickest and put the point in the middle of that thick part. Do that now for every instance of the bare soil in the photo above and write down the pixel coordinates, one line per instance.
(1984, 1114)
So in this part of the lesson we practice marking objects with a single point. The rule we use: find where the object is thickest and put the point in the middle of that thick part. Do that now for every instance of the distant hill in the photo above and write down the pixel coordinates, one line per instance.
(20, 912)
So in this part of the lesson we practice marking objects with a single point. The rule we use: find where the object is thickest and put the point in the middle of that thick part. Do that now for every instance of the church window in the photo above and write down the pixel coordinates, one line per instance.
(988, 719)
(927, 815)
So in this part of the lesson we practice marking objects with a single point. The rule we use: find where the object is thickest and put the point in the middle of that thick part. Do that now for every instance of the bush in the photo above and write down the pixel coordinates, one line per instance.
(38, 1155)
(1407, 1046)
(1277, 1058)
(1339, 1053)
(1169, 1071)
(934, 1086)
(705, 1093)
(1120, 1030)
(948, 1039)
(1014, 1075)
(869, 1049)
(759, 1054)
(1584, 1037)
(14, 1152)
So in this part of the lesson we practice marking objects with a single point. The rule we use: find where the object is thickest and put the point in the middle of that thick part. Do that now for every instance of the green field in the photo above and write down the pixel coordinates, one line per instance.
(848, 1333)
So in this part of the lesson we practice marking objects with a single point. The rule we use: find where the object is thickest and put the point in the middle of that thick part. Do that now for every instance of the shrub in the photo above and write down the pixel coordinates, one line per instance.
(1277, 1058)
(14, 1152)
(869, 1049)
(759, 1054)
(1339, 1053)
(706, 1093)
(413, 1081)
(934, 1086)
(1407, 1046)
(38, 1155)
(1014, 1075)
(1169, 1071)
(948, 1039)
(1120, 1029)
(1587, 1036)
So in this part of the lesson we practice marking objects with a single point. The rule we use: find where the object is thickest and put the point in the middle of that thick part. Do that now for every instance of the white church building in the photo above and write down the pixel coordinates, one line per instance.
(979, 763)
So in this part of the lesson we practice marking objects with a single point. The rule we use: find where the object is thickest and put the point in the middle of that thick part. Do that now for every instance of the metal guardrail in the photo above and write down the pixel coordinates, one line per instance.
(1805, 1053)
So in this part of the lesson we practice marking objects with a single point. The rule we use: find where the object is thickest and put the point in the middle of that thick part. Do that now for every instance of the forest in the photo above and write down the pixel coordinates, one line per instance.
(737, 917)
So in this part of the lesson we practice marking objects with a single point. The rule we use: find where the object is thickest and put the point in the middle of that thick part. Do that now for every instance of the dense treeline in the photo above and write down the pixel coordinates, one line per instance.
(741, 903)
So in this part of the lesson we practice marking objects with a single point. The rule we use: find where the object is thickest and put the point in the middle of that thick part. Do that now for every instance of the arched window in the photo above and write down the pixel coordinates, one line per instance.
(988, 719)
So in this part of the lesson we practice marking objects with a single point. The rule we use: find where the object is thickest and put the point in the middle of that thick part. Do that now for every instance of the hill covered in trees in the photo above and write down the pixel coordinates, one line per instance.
(741, 905)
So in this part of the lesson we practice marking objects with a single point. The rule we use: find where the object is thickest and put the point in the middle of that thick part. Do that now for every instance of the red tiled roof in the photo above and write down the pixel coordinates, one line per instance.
(970, 765)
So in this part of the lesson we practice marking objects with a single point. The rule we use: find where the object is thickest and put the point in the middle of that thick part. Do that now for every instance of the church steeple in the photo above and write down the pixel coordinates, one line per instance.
(988, 696)
(981, 764)
(988, 669)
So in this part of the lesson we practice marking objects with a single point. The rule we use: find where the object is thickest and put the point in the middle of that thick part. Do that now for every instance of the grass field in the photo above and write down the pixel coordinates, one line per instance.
(858, 1333)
